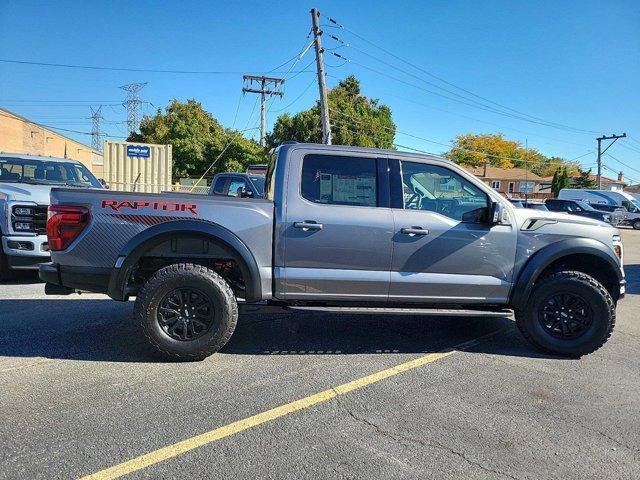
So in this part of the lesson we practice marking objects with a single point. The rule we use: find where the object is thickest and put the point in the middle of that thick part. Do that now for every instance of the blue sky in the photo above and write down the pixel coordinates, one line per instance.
(574, 63)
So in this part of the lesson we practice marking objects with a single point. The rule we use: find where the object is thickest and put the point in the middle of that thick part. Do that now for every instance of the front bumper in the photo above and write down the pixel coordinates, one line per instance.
(70, 279)
(25, 252)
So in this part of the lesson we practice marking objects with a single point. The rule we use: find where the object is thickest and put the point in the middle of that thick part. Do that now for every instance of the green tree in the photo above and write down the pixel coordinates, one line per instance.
(198, 139)
(560, 180)
(355, 120)
(584, 179)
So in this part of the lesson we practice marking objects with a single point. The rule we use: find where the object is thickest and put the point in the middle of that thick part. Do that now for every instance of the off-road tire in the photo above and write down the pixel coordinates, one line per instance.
(577, 283)
(6, 273)
(217, 291)
(636, 225)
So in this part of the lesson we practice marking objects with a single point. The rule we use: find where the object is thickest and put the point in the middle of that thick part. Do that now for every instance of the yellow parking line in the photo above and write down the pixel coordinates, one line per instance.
(170, 451)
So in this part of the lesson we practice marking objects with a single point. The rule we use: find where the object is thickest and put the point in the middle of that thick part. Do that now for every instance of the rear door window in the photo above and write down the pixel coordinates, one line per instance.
(340, 180)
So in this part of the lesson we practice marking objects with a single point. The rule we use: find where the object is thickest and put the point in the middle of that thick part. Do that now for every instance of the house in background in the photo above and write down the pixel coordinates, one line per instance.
(617, 185)
(511, 182)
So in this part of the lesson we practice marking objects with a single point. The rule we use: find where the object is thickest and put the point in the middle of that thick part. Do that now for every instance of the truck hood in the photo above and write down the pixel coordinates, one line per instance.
(524, 214)
(25, 192)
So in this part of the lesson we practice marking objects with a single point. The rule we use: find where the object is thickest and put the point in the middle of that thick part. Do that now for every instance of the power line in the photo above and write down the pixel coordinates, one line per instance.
(630, 147)
(297, 98)
(124, 69)
(622, 163)
(488, 109)
(417, 67)
(450, 145)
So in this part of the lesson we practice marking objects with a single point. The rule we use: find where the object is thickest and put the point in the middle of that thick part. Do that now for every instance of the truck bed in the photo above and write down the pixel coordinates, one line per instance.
(117, 218)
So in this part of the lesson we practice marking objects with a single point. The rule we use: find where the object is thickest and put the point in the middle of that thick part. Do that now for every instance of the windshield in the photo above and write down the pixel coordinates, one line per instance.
(43, 172)
(631, 206)
(258, 182)
(585, 206)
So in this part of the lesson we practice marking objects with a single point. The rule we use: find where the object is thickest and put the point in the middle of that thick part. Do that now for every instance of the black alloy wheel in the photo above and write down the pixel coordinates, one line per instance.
(185, 314)
(565, 316)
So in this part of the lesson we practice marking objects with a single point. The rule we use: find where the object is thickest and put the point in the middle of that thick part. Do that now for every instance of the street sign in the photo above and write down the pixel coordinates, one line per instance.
(138, 151)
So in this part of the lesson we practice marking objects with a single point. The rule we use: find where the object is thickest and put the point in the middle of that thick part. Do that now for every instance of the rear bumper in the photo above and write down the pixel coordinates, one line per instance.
(90, 279)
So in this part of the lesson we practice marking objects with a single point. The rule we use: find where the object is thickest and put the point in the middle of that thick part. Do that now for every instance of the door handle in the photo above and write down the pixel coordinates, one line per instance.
(308, 225)
(414, 231)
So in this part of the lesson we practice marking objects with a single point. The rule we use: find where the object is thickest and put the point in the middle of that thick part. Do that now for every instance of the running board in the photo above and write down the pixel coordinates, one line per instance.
(452, 312)
(264, 307)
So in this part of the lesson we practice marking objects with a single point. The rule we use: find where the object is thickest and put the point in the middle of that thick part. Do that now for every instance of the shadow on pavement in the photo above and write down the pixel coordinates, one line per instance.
(103, 330)
(23, 277)
(632, 273)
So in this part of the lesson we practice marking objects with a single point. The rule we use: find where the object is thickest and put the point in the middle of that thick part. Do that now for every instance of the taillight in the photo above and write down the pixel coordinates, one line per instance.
(64, 224)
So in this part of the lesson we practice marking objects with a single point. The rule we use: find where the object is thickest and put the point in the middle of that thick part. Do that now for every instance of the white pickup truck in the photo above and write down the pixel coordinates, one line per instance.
(25, 183)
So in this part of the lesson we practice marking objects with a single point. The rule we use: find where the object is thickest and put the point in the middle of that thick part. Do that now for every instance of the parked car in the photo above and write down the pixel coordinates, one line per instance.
(618, 214)
(533, 204)
(574, 207)
(237, 185)
(607, 197)
(25, 183)
(340, 229)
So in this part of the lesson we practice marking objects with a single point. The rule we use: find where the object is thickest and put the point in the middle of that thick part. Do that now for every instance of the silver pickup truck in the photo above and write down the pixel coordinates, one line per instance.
(340, 229)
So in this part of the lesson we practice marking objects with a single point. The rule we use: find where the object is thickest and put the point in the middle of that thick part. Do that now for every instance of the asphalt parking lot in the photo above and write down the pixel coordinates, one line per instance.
(80, 393)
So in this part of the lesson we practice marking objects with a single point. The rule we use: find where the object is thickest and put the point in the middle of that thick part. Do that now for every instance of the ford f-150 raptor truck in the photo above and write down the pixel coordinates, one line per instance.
(25, 183)
(339, 229)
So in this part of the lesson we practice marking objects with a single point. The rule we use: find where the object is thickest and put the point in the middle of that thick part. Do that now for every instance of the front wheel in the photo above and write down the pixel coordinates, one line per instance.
(186, 311)
(568, 313)
(636, 225)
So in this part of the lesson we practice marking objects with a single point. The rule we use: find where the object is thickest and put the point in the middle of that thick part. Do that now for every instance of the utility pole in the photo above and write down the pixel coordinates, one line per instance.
(322, 85)
(132, 104)
(96, 136)
(601, 152)
(261, 85)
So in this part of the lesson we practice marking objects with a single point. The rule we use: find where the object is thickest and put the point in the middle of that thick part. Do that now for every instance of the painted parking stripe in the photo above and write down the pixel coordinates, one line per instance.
(184, 446)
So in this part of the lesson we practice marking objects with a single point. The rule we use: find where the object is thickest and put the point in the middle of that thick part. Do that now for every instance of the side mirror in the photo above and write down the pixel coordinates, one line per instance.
(244, 193)
(103, 183)
(497, 214)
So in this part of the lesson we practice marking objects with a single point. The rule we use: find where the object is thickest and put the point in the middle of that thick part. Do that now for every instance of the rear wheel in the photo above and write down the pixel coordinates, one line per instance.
(636, 225)
(568, 313)
(186, 311)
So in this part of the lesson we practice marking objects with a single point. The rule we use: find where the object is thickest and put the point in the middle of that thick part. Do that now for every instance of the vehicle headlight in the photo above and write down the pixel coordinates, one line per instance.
(23, 226)
(23, 211)
(607, 218)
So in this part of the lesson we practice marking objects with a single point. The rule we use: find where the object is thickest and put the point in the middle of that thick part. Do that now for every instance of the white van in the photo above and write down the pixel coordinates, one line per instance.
(607, 197)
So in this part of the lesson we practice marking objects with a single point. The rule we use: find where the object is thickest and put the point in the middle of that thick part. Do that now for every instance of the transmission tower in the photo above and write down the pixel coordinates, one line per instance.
(132, 104)
(96, 136)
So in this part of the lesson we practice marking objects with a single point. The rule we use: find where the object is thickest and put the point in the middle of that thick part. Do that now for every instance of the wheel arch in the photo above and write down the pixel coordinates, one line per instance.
(154, 236)
(582, 254)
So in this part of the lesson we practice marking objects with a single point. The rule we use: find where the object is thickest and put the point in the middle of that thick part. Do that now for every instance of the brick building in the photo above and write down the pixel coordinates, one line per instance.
(20, 135)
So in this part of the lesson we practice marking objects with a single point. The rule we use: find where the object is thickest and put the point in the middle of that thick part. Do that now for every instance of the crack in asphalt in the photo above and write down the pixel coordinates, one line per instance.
(423, 442)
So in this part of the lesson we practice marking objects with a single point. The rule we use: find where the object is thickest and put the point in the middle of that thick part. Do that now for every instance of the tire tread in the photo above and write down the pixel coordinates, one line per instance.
(563, 275)
(163, 275)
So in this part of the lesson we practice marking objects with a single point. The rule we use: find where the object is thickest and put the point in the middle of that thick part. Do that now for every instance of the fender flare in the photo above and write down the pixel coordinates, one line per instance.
(157, 234)
(547, 255)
